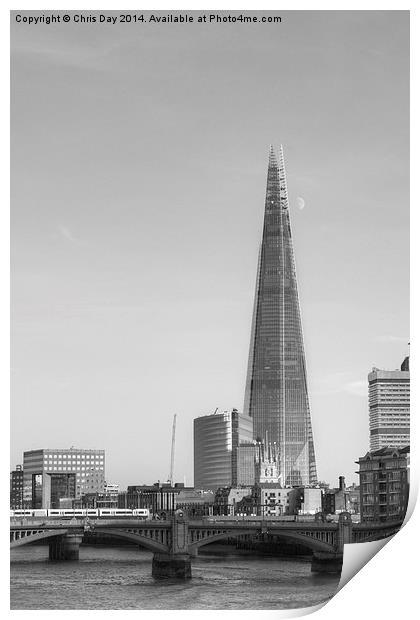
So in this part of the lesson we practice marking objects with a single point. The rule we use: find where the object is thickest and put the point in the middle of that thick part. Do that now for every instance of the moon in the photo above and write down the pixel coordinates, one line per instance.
(300, 203)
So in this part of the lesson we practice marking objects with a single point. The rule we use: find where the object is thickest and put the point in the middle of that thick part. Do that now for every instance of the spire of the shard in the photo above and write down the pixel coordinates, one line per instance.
(276, 395)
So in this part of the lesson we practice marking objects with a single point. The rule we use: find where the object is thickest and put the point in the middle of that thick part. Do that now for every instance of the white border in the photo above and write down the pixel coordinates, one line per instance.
(386, 587)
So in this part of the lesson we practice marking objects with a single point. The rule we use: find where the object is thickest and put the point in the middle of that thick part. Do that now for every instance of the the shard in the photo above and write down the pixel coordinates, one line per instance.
(276, 395)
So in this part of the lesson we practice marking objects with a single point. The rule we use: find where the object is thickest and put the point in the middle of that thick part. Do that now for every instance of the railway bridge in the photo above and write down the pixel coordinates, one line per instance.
(175, 541)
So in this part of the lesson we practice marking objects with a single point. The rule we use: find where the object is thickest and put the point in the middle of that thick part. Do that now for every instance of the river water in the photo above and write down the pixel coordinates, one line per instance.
(120, 578)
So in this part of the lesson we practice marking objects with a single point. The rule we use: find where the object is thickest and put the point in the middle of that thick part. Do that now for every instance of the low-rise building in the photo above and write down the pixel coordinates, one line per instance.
(312, 501)
(341, 499)
(221, 501)
(196, 504)
(353, 499)
(159, 498)
(335, 500)
(275, 501)
(236, 497)
(111, 489)
(249, 505)
(266, 499)
(98, 500)
(231, 501)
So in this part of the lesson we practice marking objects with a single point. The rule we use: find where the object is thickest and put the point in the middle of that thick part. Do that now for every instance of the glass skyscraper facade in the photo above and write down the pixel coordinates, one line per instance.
(216, 439)
(276, 395)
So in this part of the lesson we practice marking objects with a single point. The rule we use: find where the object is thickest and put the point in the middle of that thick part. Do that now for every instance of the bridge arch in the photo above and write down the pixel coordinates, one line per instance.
(312, 543)
(30, 537)
(144, 541)
(373, 536)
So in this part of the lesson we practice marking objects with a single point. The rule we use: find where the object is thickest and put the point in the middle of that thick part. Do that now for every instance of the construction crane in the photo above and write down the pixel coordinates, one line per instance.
(171, 475)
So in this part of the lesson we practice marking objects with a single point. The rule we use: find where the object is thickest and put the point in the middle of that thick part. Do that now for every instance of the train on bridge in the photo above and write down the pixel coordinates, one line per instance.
(271, 518)
(138, 513)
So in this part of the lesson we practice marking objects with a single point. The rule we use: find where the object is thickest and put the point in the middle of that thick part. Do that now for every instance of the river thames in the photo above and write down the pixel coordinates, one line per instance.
(120, 578)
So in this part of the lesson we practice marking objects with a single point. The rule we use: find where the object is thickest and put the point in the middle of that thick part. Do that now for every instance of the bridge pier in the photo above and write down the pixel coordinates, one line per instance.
(326, 562)
(166, 565)
(332, 562)
(345, 531)
(65, 547)
(177, 562)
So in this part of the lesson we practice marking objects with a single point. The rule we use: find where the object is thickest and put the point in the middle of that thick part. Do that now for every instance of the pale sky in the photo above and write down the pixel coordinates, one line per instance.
(139, 156)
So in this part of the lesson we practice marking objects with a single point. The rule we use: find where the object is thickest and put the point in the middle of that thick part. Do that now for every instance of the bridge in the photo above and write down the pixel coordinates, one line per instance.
(175, 541)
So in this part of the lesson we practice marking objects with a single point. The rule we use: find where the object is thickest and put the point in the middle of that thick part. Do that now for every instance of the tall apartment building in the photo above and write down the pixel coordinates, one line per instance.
(51, 477)
(384, 484)
(216, 439)
(276, 394)
(389, 407)
(16, 488)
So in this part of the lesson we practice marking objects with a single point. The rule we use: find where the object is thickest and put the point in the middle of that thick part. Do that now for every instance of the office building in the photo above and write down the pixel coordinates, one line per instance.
(276, 395)
(241, 433)
(384, 484)
(54, 478)
(16, 488)
(389, 407)
(216, 439)
(247, 455)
